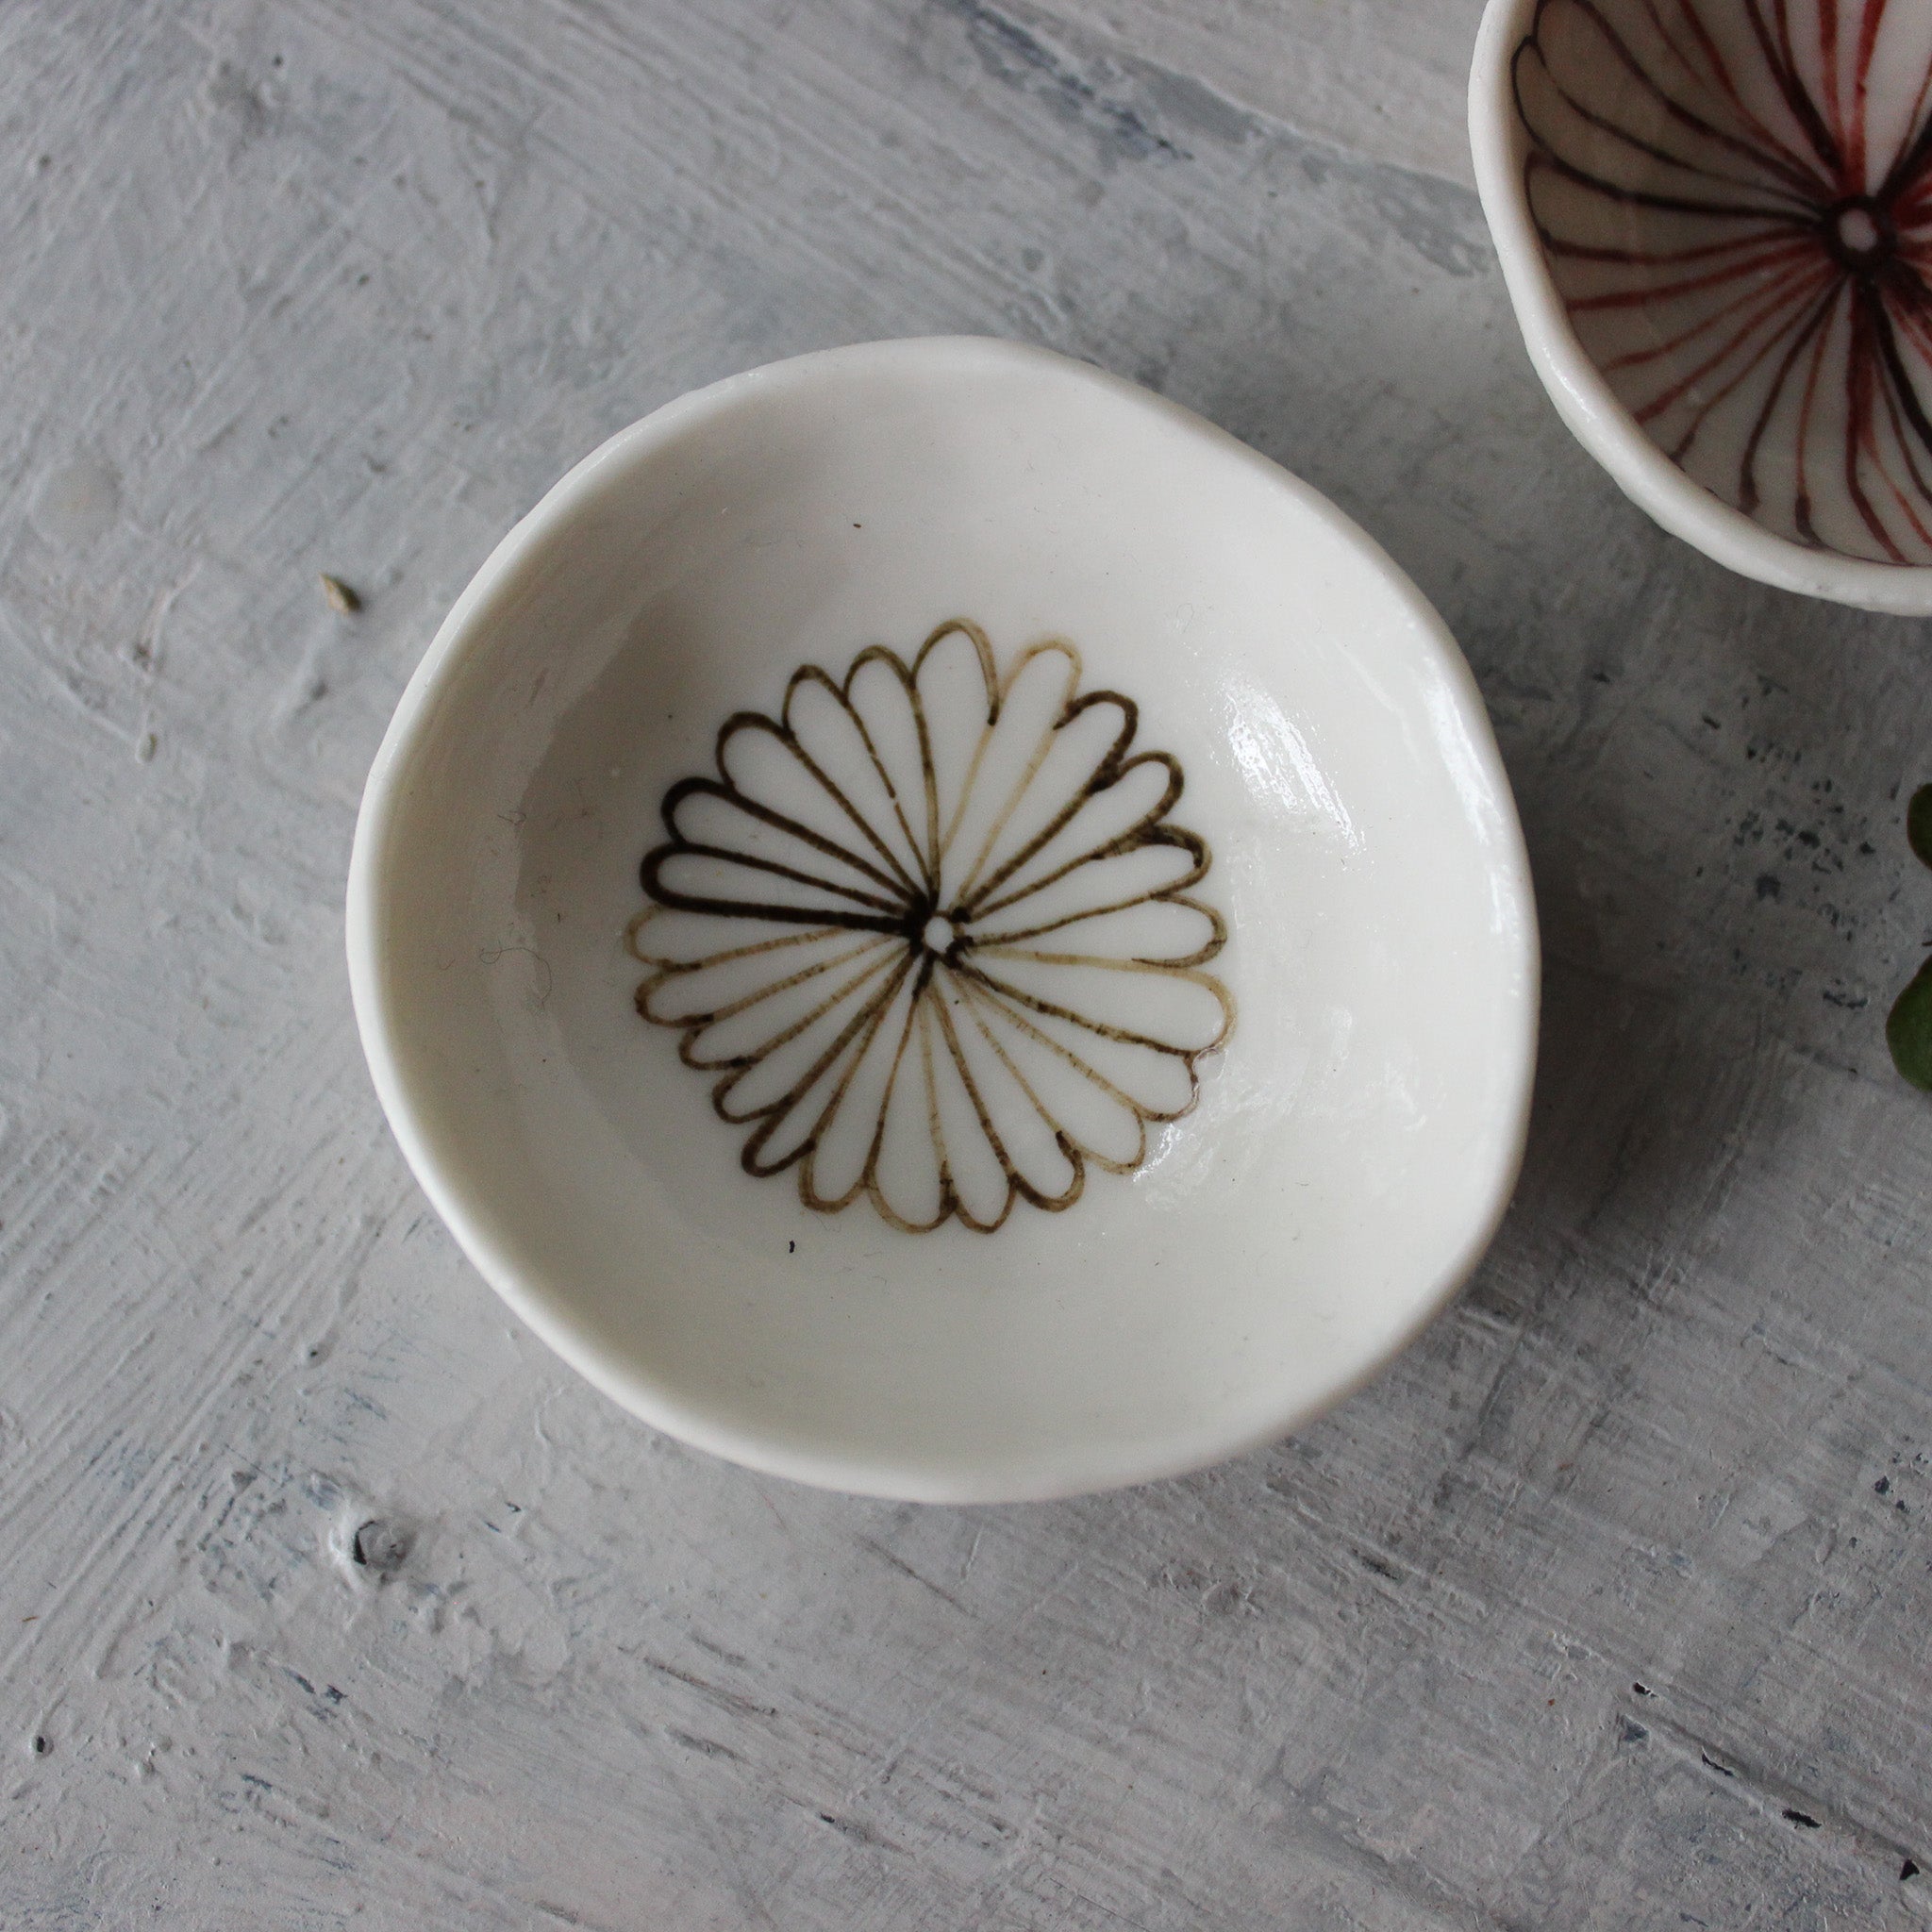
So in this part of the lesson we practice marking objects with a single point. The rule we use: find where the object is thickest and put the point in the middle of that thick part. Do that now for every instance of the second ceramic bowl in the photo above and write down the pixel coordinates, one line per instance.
(940, 927)
(1715, 221)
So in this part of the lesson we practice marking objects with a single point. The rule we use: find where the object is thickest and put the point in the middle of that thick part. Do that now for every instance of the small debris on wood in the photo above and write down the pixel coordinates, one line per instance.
(341, 597)
(380, 1546)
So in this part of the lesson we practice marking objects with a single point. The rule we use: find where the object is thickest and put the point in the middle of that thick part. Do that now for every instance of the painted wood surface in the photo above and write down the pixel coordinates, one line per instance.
(327, 1596)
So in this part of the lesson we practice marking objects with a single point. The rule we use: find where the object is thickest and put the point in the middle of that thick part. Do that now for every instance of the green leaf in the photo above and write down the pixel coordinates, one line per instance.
(1918, 825)
(1908, 1029)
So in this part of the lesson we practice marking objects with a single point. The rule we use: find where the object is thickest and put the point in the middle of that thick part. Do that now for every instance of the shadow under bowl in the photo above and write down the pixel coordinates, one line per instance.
(1715, 221)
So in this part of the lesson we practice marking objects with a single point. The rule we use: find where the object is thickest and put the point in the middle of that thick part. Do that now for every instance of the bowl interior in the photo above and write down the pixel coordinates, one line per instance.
(1351, 1139)
(1735, 204)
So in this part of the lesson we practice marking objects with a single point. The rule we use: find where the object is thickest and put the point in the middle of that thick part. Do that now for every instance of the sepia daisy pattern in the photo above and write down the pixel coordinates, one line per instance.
(934, 932)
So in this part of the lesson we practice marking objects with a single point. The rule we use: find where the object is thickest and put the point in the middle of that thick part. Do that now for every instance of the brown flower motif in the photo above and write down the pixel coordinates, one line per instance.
(932, 927)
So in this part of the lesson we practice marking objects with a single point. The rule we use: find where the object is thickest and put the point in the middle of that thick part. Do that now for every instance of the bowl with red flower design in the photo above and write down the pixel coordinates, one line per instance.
(939, 927)
(1715, 221)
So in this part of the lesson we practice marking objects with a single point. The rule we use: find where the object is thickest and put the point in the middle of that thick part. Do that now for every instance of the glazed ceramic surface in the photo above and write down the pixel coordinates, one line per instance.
(1716, 220)
(932, 924)
(940, 927)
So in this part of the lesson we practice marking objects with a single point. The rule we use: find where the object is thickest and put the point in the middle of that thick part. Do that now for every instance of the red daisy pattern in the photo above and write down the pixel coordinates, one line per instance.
(1735, 198)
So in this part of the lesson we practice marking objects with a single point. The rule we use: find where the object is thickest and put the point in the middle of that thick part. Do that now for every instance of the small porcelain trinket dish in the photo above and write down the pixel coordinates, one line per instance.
(939, 927)
(1715, 221)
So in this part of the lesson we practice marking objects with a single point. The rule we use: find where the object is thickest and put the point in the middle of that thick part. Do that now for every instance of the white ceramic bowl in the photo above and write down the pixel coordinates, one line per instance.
(1719, 246)
(1153, 1118)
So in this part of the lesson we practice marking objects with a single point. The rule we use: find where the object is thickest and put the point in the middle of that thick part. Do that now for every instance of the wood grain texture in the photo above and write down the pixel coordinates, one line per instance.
(326, 1594)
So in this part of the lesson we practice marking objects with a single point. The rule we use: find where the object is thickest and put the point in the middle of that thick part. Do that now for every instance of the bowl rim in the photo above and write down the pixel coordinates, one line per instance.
(545, 1305)
(1586, 401)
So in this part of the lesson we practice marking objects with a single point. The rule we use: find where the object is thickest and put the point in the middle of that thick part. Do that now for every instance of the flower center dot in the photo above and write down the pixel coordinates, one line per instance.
(940, 934)
(1861, 234)
(1858, 231)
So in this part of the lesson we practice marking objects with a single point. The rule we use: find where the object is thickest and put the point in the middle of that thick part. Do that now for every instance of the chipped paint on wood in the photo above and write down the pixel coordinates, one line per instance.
(328, 1595)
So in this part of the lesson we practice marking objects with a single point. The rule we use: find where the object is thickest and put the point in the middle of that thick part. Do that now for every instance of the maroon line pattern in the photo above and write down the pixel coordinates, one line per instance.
(932, 928)
(1735, 198)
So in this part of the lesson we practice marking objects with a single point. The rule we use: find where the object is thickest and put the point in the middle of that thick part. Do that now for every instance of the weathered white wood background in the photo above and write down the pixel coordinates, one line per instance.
(343, 285)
